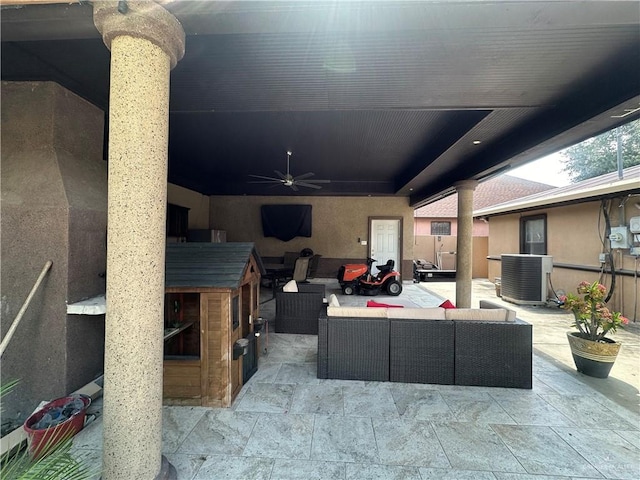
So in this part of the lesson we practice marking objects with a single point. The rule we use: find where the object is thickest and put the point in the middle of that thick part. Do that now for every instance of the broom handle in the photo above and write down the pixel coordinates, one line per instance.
(25, 305)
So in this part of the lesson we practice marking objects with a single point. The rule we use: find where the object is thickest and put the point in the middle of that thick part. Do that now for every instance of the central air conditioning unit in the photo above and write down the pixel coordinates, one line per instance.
(525, 278)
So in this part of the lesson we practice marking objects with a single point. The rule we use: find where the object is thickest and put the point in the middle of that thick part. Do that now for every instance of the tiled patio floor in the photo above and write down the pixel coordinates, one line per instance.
(287, 424)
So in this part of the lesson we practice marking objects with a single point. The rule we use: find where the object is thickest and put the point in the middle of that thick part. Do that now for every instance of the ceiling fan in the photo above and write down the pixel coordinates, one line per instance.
(289, 180)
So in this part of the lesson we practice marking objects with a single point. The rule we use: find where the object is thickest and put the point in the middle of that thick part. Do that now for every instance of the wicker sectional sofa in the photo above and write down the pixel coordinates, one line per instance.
(297, 312)
(484, 347)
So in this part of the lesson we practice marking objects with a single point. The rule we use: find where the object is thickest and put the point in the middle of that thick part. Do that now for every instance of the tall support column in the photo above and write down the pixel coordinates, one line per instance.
(146, 42)
(464, 264)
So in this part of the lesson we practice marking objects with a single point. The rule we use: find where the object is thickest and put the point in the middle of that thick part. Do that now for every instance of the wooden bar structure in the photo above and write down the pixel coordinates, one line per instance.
(211, 301)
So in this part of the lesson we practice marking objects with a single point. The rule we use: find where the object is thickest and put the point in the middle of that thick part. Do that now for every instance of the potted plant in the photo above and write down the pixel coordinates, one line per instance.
(56, 461)
(593, 353)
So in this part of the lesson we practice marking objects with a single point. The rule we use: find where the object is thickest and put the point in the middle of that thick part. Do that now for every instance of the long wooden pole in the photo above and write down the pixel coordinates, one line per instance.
(25, 305)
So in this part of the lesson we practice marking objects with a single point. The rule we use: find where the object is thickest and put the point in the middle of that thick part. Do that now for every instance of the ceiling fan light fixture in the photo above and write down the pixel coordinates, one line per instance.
(289, 180)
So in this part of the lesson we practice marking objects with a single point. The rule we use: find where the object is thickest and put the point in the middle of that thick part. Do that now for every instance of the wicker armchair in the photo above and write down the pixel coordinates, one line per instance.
(298, 312)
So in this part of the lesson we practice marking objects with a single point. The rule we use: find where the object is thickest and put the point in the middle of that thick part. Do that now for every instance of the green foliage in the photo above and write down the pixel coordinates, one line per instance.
(592, 318)
(598, 155)
(56, 464)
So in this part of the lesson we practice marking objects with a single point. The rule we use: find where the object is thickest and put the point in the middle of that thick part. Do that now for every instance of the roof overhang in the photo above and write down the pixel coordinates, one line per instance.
(384, 98)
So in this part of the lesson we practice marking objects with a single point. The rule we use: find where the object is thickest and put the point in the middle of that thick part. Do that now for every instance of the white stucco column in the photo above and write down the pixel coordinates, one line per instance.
(145, 41)
(464, 264)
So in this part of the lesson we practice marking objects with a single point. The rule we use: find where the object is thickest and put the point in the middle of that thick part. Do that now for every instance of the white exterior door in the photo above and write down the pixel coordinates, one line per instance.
(385, 242)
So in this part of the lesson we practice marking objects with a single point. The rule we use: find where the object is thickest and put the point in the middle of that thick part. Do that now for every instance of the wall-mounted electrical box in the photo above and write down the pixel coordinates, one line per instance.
(634, 224)
(619, 237)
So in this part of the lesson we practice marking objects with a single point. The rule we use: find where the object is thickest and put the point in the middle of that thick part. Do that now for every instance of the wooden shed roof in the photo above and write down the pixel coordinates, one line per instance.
(218, 265)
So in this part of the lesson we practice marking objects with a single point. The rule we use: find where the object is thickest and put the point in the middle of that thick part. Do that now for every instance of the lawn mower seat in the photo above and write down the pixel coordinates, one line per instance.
(387, 267)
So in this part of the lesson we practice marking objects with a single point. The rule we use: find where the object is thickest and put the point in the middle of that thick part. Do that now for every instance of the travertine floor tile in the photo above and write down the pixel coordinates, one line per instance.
(608, 452)
(344, 439)
(307, 470)
(470, 446)
(266, 398)
(224, 466)
(374, 400)
(297, 373)
(324, 399)
(408, 442)
(220, 431)
(379, 472)
(281, 436)
(541, 451)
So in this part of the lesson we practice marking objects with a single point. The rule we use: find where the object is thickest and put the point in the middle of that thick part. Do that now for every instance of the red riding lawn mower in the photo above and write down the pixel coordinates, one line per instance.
(357, 278)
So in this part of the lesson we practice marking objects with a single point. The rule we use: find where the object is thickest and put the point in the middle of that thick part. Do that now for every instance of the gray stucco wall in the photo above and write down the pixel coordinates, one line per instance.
(54, 207)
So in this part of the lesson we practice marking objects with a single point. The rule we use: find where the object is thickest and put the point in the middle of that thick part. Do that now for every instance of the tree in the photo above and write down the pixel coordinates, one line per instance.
(598, 155)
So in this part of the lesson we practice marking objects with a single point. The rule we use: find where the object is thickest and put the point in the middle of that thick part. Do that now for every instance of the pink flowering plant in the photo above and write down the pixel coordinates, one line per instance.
(592, 318)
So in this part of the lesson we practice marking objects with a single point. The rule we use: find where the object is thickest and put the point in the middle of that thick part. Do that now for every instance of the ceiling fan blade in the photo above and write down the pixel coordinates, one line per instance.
(304, 176)
(294, 187)
(280, 174)
(266, 178)
(275, 182)
(318, 181)
(306, 184)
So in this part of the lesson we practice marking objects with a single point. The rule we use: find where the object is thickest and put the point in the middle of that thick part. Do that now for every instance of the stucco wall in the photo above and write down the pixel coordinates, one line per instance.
(54, 203)
(197, 204)
(574, 234)
(338, 222)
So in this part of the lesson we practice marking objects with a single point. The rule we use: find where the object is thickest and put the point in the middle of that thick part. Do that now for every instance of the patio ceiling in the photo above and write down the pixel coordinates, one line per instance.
(381, 98)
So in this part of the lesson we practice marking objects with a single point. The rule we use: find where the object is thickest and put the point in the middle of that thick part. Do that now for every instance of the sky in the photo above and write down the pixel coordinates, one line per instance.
(544, 170)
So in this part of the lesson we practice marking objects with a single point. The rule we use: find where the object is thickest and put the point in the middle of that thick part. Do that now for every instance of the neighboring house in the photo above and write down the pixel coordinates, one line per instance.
(573, 224)
(436, 224)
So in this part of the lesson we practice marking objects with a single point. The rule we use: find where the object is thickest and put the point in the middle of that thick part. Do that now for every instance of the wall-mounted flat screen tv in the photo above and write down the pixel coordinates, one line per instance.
(286, 221)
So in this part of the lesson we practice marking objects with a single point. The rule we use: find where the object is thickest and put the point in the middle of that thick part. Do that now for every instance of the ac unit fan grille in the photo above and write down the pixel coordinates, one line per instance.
(521, 277)
(524, 278)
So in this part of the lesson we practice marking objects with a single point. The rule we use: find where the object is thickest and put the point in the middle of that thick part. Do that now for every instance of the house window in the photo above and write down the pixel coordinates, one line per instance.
(533, 234)
(440, 228)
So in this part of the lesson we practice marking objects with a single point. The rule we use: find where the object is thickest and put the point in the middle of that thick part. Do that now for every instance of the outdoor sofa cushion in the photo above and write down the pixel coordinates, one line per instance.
(290, 287)
(478, 314)
(356, 312)
(433, 313)
(333, 300)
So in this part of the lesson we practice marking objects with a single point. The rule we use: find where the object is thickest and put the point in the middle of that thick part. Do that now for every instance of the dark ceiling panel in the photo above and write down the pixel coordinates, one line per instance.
(381, 98)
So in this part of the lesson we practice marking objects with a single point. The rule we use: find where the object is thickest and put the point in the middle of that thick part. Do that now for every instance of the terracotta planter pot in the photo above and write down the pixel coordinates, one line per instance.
(593, 358)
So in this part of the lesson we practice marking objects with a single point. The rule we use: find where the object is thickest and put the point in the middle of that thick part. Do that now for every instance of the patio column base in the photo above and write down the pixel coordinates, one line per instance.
(167, 471)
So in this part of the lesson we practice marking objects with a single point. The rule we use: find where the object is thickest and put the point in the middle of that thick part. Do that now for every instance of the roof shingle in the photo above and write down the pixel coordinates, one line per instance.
(492, 192)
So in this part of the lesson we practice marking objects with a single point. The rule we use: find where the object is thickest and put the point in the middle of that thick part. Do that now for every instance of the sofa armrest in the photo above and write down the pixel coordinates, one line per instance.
(494, 354)
(487, 304)
(311, 288)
